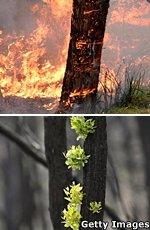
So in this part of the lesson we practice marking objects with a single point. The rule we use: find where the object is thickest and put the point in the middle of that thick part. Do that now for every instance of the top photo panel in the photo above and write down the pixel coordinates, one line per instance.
(74, 57)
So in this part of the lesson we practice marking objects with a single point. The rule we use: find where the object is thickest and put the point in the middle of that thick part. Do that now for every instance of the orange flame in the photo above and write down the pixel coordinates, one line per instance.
(28, 67)
(25, 68)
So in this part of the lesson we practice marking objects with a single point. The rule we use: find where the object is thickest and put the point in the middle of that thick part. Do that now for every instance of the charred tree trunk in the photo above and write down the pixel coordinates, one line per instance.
(94, 173)
(85, 49)
(59, 176)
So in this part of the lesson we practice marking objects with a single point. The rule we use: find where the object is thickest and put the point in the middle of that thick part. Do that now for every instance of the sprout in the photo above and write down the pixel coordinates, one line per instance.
(95, 207)
(82, 126)
(74, 194)
(76, 158)
(71, 216)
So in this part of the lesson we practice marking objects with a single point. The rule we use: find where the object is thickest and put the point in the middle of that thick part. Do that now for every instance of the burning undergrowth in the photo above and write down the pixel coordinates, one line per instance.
(34, 38)
(126, 88)
(32, 64)
(132, 90)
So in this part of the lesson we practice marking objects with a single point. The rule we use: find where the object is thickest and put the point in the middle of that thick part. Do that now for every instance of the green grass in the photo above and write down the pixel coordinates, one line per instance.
(131, 94)
(128, 110)
(136, 103)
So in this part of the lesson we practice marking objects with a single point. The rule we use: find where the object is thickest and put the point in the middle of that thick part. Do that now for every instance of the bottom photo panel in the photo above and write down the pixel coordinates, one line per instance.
(74, 172)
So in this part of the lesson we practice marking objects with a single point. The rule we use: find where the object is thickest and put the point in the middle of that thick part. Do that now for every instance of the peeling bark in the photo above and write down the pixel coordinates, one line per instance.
(85, 49)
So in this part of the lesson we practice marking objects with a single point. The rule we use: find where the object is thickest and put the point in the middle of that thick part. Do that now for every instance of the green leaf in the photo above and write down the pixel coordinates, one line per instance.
(76, 158)
(82, 126)
(71, 216)
(95, 207)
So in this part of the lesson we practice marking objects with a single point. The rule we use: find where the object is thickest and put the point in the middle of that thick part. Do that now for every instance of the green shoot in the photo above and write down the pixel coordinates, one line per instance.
(76, 158)
(95, 207)
(82, 126)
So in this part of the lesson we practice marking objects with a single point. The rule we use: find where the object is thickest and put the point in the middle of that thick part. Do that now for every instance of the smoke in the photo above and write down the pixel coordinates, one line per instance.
(15, 15)
(126, 40)
(128, 32)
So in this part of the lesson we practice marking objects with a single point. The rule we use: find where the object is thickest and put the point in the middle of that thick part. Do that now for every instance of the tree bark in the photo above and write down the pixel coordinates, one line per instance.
(29, 150)
(144, 126)
(59, 175)
(19, 195)
(85, 49)
(94, 173)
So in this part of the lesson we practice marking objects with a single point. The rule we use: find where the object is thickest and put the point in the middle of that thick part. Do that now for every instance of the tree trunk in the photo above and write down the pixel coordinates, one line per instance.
(94, 173)
(85, 49)
(19, 195)
(144, 126)
(59, 175)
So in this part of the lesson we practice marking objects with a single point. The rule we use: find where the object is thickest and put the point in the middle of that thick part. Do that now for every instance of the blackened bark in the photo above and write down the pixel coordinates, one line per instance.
(59, 175)
(94, 173)
(144, 126)
(85, 49)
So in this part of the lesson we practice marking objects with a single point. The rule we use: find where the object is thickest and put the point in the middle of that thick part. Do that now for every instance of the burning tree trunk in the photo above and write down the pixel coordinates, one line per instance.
(85, 49)
(94, 173)
(59, 176)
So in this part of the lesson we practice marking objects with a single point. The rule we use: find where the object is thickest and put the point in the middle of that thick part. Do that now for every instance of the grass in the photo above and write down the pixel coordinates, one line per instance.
(132, 96)
(128, 110)
(135, 102)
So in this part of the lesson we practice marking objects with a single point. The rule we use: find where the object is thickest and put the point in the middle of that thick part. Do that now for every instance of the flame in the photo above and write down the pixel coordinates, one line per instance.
(29, 66)
(134, 16)
(109, 81)
(82, 93)
(26, 69)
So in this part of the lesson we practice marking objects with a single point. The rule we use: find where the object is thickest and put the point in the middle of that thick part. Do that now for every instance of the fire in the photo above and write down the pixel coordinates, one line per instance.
(124, 40)
(82, 93)
(134, 15)
(32, 65)
(109, 82)
(60, 8)
(26, 68)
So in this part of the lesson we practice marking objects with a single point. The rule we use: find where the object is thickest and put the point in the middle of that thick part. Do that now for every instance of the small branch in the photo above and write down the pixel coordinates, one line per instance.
(28, 150)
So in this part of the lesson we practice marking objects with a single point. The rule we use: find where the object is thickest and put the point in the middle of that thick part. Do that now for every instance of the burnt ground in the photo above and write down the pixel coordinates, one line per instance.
(16, 105)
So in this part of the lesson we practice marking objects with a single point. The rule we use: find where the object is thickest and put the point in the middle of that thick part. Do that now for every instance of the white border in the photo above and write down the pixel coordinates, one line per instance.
(70, 115)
